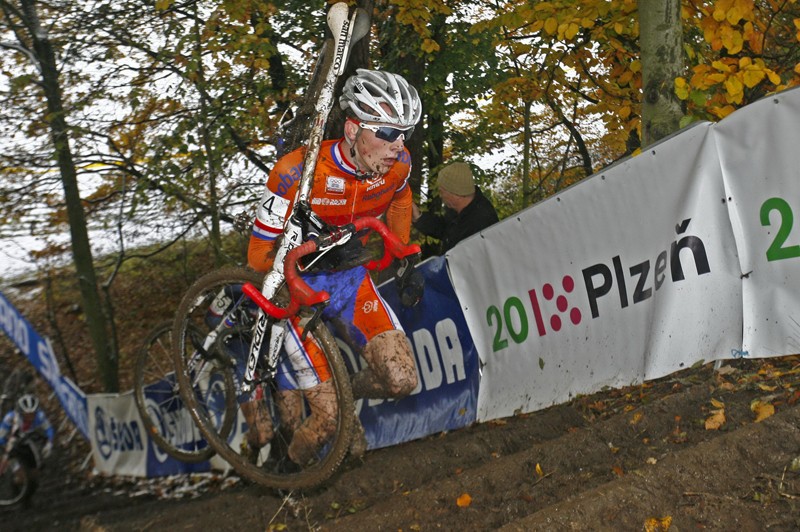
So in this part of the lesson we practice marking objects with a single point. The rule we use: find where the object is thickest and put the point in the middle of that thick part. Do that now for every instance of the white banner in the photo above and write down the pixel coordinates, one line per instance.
(629, 275)
(760, 148)
(117, 435)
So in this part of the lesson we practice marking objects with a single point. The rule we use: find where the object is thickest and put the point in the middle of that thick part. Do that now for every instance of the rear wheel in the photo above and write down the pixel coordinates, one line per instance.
(166, 420)
(277, 410)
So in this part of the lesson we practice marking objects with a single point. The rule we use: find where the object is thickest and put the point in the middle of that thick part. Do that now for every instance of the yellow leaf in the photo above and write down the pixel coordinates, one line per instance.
(716, 420)
(722, 67)
(722, 112)
(430, 46)
(762, 410)
(735, 90)
(464, 500)
(637, 417)
(753, 77)
(717, 404)
(635, 66)
(551, 25)
(539, 470)
(681, 88)
(734, 15)
(618, 27)
(733, 41)
(572, 30)
(767, 388)
(774, 78)
(658, 524)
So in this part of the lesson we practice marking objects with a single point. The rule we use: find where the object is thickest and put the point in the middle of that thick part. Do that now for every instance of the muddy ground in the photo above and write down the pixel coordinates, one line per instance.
(682, 453)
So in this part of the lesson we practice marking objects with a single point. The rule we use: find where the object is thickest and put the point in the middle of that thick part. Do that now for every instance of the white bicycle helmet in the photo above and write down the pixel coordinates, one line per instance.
(27, 404)
(364, 92)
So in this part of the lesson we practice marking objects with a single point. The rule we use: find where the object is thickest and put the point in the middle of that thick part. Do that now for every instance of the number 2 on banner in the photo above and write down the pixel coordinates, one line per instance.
(776, 250)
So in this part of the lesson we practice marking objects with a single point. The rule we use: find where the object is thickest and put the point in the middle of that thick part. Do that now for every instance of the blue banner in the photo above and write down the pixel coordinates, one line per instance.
(176, 425)
(40, 353)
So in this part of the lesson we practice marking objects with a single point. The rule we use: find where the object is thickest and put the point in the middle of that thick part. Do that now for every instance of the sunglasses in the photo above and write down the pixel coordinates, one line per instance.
(389, 134)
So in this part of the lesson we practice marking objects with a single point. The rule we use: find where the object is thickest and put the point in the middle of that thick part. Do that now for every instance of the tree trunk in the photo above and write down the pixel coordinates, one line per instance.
(661, 40)
(81, 250)
(527, 188)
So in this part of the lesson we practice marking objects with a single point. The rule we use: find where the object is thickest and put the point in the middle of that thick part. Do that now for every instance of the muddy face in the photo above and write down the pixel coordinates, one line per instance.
(374, 155)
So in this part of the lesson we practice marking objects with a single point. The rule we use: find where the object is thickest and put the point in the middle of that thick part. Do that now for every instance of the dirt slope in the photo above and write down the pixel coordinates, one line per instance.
(640, 458)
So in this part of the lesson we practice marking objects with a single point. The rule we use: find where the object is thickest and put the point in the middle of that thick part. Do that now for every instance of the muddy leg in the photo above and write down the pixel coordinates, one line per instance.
(259, 424)
(317, 428)
(391, 372)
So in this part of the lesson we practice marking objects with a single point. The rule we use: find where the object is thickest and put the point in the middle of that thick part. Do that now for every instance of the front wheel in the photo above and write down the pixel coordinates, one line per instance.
(17, 482)
(279, 417)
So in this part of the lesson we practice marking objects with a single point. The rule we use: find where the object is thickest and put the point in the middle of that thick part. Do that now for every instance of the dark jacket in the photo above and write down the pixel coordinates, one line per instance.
(452, 227)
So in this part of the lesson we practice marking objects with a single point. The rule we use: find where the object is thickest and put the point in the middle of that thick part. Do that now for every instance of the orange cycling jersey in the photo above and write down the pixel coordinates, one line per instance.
(337, 196)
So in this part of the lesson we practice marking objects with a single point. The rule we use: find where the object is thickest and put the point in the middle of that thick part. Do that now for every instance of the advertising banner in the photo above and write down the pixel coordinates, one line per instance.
(760, 159)
(40, 353)
(117, 436)
(629, 275)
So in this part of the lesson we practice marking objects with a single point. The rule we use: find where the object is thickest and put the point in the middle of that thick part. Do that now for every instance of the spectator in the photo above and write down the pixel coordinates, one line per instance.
(467, 210)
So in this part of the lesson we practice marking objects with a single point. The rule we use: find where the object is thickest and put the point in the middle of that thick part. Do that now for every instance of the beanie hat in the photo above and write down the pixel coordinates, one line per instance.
(456, 178)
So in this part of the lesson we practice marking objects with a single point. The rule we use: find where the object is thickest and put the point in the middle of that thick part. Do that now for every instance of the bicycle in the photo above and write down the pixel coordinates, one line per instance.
(159, 403)
(19, 466)
(254, 320)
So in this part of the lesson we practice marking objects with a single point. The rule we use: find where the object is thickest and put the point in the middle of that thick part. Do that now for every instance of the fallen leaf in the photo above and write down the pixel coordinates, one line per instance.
(636, 418)
(767, 388)
(618, 471)
(726, 370)
(762, 410)
(658, 524)
(716, 420)
(539, 470)
(652, 461)
(717, 404)
(464, 500)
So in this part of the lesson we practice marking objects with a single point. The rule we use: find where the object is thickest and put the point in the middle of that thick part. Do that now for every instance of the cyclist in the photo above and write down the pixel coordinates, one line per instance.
(364, 173)
(27, 418)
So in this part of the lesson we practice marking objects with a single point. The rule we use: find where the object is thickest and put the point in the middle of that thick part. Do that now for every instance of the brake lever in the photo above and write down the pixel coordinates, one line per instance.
(318, 309)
